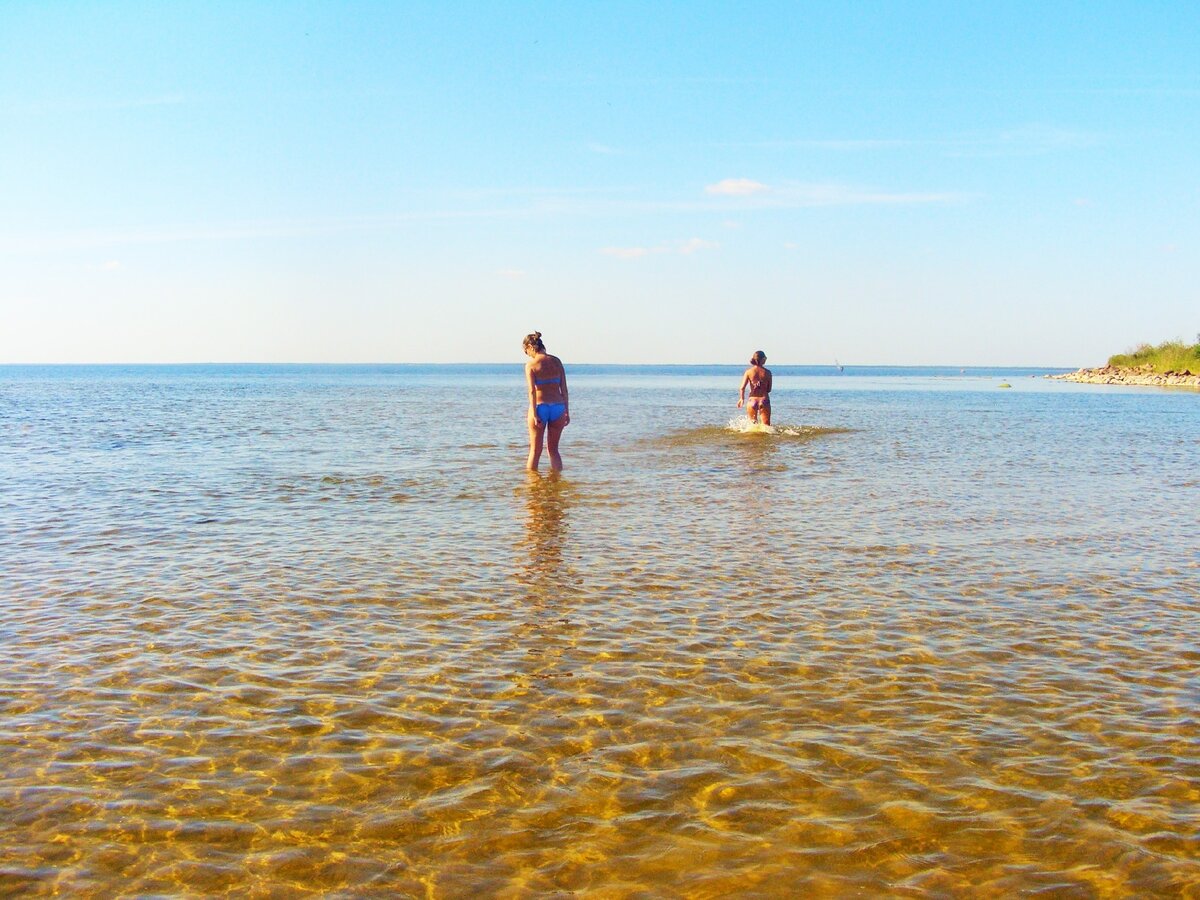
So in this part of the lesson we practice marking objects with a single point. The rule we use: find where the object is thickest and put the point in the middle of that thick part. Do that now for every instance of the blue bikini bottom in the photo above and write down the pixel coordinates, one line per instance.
(550, 412)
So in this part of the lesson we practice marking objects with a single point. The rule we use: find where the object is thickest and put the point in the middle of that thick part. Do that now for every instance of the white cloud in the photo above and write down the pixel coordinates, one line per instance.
(735, 187)
(511, 273)
(625, 252)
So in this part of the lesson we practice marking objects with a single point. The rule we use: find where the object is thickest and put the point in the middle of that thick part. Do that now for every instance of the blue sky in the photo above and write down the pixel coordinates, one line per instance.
(888, 183)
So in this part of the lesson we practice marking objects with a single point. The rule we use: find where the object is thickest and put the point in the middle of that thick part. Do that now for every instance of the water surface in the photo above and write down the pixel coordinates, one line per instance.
(285, 630)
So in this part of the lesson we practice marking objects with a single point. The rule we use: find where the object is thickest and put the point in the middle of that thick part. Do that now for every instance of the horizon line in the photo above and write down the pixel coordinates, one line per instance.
(843, 366)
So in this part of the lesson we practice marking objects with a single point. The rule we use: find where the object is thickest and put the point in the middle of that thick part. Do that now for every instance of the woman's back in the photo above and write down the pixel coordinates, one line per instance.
(547, 372)
(758, 379)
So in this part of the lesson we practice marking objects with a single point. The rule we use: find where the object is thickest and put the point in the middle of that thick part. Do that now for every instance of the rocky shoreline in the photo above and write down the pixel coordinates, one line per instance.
(1138, 376)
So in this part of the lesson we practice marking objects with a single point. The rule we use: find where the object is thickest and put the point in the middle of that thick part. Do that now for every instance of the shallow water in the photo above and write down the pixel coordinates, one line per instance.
(281, 630)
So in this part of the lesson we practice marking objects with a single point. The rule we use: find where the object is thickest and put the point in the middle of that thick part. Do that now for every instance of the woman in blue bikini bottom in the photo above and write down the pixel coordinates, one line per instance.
(549, 404)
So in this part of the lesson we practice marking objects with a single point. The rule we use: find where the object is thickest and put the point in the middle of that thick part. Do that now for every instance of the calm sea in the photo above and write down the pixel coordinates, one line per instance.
(285, 630)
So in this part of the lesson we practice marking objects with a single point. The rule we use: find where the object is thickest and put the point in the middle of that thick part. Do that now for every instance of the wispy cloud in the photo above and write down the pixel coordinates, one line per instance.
(109, 265)
(626, 252)
(603, 149)
(511, 273)
(829, 144)
(694, 245)
(735, 187)
(803, 195)
(1022, 140)
(255, 229)
(78, 105)
(530, 204)
(798, 195)
(684, 247)
(609, 80)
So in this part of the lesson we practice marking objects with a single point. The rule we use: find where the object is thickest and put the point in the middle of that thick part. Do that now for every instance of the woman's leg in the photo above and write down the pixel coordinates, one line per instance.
(766, 414)
(553, 432)
(535, 445)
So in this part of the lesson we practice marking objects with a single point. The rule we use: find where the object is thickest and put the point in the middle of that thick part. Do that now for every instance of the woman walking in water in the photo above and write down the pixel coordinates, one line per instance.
(758, 379)
(549, 411)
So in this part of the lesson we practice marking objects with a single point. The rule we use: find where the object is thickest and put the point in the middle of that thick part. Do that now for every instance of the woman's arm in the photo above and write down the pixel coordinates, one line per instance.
(532, 414)
(566, 399)
(770, 380)
(742, 388)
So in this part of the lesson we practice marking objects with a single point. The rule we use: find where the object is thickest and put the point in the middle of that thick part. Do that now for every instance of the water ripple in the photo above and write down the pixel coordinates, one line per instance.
(279, 638)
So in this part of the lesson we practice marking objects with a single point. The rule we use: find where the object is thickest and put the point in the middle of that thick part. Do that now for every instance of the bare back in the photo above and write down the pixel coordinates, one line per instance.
(758, 379)
(547, 379)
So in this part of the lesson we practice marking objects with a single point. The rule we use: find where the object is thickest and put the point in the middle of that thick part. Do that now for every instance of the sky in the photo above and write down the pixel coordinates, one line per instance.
(889, 183)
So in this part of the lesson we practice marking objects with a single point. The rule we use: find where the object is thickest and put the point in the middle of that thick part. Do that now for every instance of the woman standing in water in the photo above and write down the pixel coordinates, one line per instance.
(758, 378)
(549, 411)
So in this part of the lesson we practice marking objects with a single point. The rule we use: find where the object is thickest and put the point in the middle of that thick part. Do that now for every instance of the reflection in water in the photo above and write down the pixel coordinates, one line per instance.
(757, 448)
(546, 636)
(546, 504)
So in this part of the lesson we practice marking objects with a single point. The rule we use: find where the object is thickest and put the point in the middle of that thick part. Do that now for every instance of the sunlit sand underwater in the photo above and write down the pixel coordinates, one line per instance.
(278, 631)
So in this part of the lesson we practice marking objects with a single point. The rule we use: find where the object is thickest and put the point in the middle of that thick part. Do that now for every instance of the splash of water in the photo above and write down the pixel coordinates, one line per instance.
(742, 425)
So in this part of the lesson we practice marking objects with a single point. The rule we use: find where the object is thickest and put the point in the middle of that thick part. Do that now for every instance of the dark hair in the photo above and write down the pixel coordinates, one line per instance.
(535, 341)
(758, 358)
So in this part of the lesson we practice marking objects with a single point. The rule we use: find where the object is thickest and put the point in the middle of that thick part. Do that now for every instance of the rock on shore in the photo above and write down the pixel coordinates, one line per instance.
(1142, 375)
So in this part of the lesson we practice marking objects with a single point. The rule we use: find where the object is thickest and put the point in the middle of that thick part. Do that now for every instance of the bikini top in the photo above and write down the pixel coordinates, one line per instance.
(553, 380)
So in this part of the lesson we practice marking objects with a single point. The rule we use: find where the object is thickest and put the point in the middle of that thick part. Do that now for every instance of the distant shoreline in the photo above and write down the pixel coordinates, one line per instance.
(1139, 376)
